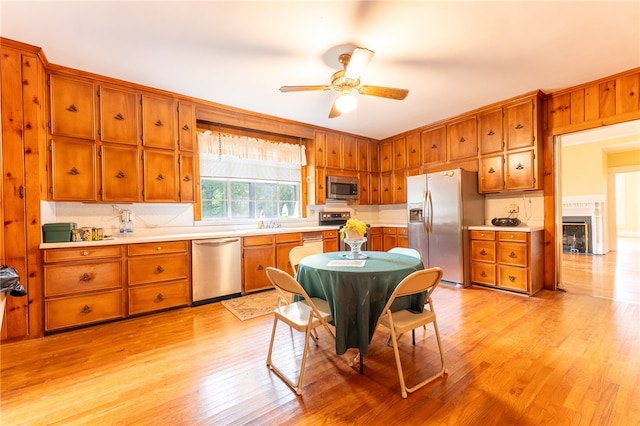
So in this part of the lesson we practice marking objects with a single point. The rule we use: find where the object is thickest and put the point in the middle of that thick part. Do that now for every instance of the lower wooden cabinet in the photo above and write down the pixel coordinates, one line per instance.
(510, 260)
(82, 286)
(158, 276)
(330, 240)
(258, 253)
(394, 237)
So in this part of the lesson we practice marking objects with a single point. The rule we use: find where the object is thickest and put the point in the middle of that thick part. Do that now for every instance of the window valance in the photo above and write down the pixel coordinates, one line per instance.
(222, 144)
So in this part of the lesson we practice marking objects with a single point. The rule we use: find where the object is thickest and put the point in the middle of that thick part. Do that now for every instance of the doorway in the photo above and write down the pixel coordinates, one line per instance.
(591, 165)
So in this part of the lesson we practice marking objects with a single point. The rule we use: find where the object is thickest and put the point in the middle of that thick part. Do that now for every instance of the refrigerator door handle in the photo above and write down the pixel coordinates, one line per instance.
(429, 216)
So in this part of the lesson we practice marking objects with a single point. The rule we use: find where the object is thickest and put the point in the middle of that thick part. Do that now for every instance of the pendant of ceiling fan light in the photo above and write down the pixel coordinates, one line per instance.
(346, 101)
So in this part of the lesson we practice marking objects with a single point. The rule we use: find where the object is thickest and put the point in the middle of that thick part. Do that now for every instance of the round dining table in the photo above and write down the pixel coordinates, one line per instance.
(357, 291)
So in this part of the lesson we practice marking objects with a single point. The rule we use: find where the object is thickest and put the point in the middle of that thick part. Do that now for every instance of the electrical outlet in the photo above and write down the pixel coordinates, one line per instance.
(513, 208)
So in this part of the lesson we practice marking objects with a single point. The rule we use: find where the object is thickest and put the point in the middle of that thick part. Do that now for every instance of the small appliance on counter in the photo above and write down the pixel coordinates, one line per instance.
(505, 221)
(58, 232)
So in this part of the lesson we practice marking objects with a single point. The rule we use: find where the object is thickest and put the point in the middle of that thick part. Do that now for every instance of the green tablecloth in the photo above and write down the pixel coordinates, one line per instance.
(357, 295)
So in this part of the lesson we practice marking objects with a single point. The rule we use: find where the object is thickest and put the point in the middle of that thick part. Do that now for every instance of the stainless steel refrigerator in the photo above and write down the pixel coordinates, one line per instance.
(440, 207)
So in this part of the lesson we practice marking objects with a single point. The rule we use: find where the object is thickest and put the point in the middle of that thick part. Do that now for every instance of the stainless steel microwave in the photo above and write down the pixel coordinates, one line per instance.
(342, 188)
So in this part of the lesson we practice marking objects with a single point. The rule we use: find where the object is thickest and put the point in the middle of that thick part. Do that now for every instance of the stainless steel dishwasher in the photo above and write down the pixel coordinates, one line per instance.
(215, 269)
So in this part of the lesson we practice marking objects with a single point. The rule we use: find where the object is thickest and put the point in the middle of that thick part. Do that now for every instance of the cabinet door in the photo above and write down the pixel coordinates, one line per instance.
(256, 261)
(399, 179)
(333, 152)
(374, 156)
(520, 171)
(490, 175)
(186, 126)
(120, 175)
(349, 153)
(363, 187)
(490, 131)
(520, 125)
(363, 155)
(374, 237)
(386, 190)
(321, 182)
(434, 145)
(282, 256)
(320, 151)
(463, 139)
(400, 154)
(386, 158)
(187, 178)
(72, 107)
(159, 176)
(158, 122)
(414, 159)
(389, 238)
(73, 170)
(374, 188)
(119, 115)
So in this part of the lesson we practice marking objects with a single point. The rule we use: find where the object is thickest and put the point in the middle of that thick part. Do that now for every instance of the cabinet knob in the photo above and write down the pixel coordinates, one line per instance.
(483, 252)
(159, 297)
(512, 236)
(72, 108)
(512, 278)
(85, 253)
(491, 170)
(483, 274)
(158, 123)
(74, 171)
(119, 116)
(86, 309)
(159, 269)
(120, 175)
(519, 126)
(512, 255)
(159, 248)
(260, 268)
(85, 277)
(491, 133)
(187, 179)
(519, 166)
(434, 146)
(462, 140)
(185, 127)
(160, 177)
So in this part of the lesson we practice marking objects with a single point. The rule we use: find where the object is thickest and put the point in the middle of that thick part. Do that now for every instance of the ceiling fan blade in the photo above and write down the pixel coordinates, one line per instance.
(303, 88)
(359, 60)
(334, 111)
(384, 92)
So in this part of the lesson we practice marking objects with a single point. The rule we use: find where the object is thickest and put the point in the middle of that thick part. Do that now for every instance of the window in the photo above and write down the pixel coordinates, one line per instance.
(247, 199)
(242, 178)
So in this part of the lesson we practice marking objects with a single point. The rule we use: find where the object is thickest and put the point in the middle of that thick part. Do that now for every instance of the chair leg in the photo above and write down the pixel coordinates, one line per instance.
(396, 352)
(273, 336)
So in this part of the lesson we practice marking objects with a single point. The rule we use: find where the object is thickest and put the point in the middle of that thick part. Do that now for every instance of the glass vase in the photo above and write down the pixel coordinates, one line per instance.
(355, 244)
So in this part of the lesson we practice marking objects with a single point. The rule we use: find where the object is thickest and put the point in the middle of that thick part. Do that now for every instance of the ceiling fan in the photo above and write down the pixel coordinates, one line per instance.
(347, 82)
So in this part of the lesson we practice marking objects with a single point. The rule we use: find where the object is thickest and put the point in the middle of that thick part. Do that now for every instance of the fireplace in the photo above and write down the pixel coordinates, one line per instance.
(585, 210)
(575, 234)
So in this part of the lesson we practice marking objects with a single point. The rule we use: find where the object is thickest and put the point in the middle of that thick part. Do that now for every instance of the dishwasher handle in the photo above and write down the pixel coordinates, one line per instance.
(216, 243)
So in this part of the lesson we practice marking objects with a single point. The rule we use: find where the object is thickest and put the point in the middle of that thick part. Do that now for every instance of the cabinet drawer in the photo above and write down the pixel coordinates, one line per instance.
(484, 251)
(67, 279)
(389, 230)
(158, 248)
(289, 238)
(513, 278)
(80, 310)
(81, 253)
(483, 273)
(512, 254)
(402, 231)
(483, 235)
(261, 240)
(513, 236)
(330, 234)
(159, 296)
(151, 269)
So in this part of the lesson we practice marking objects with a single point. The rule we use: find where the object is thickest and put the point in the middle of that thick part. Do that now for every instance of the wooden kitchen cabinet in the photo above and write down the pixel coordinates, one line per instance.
(414, 147)
(158, 276)
(490, 133)
(284, 244)
(394, 237)
(386, 156)
(434, 145)
(73, 169)
(72, 103)
(120, 173)
(399, 154)
(187, 187)
(364, 197)
(258, 253)
(462, 139)
(399, 184)
(386, 188)
(159, 168)
(374, 239)
(330, 240)
(333, 150)
(119, 115)
(364, 162)
(82, 285)
(349, 152)
(187, 126)
(507, 260)
(159, 115)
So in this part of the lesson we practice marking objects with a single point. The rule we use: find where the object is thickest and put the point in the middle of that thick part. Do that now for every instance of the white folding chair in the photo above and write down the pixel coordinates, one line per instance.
(425, 280)
(303, 316)
(405, 250)
(300, 252)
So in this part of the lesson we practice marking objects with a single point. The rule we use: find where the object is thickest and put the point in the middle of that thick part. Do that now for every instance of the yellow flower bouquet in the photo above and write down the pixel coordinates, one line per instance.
(354, 228)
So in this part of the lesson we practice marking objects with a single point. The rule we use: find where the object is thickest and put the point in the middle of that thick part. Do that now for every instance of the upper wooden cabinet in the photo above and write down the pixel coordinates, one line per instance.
(520, 125)
(73, 170)
(434, 145)
(120, 176)
(414, 158)
(363, 147)
(349, 153)
(333, 150)
(72, 106)
(462, 139)
(119, 115)
(159, 169)
(186, 126)
(187, 169)
(490, 135)
(158, 122)
(386, 156)
(399, 153)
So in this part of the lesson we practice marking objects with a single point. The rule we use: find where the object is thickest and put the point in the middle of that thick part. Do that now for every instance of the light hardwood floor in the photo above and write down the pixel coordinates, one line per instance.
(554, 359)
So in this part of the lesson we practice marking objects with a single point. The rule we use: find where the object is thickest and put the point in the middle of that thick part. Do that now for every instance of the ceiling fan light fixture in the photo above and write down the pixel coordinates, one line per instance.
(346, 102)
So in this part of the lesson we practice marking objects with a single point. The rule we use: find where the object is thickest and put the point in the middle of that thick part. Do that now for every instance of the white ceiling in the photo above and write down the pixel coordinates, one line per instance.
(453, 56)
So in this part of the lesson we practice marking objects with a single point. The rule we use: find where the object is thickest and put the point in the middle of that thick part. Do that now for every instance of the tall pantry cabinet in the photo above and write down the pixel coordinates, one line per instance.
(22, 164)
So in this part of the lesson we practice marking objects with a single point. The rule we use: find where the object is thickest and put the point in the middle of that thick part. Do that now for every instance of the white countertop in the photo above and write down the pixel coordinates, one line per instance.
(519, 228)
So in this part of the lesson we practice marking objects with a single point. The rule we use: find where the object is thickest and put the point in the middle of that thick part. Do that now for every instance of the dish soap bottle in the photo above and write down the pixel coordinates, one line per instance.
(285, 211)
(261, 221)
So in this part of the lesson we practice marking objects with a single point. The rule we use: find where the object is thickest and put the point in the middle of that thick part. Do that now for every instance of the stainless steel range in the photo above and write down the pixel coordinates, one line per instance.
(339, 219)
